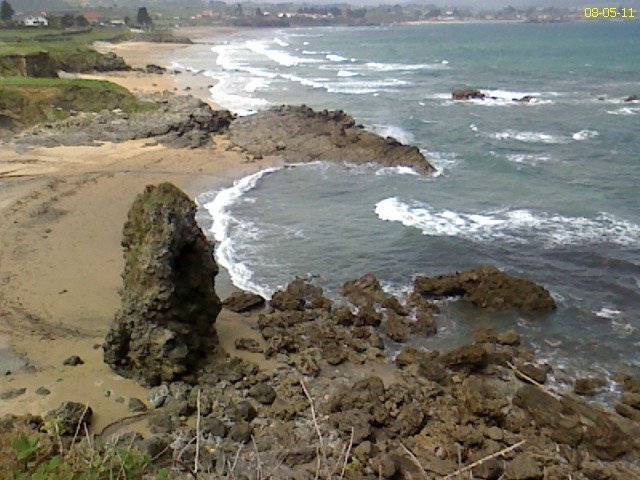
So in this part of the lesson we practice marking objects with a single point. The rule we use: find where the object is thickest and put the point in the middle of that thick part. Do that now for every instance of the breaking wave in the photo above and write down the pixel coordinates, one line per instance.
(225, 224)
(513, 226)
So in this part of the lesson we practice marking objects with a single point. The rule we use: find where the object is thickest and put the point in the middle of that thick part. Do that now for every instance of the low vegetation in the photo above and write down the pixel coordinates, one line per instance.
(28, 101)
(31, 455)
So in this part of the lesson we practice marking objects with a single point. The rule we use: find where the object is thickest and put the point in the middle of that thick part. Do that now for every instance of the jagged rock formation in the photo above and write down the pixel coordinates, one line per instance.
(165, 325)
(487, 287)
(300, 134)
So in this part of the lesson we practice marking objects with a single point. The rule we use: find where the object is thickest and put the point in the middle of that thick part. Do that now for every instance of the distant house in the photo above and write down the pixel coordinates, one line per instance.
(117, 22)
(33, 21)
(94, 18)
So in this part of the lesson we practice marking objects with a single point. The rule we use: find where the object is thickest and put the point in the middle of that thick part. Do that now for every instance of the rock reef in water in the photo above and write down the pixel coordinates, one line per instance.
(165, 325)
(487, 287)
(300, 134)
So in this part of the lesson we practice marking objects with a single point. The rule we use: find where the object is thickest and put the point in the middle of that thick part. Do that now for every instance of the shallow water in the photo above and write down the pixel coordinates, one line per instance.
(547, 190)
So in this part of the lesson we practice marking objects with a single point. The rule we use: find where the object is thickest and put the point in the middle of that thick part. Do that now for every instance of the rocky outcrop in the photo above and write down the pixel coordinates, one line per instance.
(467, 94)
(165, 324)
(300, 134)
(488, 287)
(155, 69)
(178, 122)
(37, 64)
(632, 98)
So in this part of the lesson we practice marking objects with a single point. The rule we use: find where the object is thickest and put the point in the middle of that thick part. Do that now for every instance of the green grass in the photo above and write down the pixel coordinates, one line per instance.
(35, 100)
(68, 56)
(85, 37)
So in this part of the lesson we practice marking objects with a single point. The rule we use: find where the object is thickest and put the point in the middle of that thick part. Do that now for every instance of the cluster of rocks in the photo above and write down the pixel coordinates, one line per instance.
(176, 121)
(300, 134)
(326, 406)
(475, 94)
(296, 134)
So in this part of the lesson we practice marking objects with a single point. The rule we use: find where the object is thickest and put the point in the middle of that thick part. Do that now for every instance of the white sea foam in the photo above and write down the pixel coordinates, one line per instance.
(528, 158)
(584, 135)
(282, 43)
(335, 58)
(240, 104)
(513, 226)
(365, 86)
(347, 73)
(278, 56)
(608, 313)
(529, 137)
(256, 84)
(400, 170)
(226, 225)
(399, 67)
(393, 131)
(624, 111)
(441, 161)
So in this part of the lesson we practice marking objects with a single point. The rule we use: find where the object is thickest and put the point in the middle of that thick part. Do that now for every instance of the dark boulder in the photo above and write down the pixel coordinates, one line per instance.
(165, 324)
(632, 98)
(243, 302)
(155, 69)
(487, 287)
(467, 94)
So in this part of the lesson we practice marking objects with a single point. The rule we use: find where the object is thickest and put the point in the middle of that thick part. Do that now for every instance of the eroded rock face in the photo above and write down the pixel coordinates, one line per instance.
(169, 306)
(487, 287)
(301, 134)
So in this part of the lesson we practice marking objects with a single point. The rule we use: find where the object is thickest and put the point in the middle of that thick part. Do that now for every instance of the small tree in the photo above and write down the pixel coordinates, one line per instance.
(6, 11)
(143, 19)
(81, 21)
(68, 20)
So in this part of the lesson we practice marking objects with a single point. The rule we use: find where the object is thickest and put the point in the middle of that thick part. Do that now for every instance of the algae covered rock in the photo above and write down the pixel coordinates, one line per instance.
(487, 287)
(169, 305)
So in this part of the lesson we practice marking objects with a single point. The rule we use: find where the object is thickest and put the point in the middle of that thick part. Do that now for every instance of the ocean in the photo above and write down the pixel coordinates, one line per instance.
(548, 190)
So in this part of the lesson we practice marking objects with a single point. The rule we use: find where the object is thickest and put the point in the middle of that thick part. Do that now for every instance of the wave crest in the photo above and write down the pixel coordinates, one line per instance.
(514, 226)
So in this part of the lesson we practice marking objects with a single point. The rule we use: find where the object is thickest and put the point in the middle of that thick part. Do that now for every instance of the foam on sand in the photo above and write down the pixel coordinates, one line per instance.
(226, 227)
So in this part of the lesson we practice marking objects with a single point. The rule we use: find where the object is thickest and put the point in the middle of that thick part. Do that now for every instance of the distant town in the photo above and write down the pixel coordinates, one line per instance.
(280, 15)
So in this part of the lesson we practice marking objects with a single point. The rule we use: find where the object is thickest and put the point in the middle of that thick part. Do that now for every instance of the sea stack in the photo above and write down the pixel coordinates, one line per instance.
(164, 327)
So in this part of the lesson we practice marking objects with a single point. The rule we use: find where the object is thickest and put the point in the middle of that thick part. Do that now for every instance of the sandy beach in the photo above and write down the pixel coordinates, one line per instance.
(62, 212)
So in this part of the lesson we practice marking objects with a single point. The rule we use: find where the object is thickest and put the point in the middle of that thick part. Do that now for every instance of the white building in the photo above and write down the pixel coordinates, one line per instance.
(32, 21)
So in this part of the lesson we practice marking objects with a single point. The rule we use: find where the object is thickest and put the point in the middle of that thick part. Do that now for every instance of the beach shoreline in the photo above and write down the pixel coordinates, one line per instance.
(62, 213)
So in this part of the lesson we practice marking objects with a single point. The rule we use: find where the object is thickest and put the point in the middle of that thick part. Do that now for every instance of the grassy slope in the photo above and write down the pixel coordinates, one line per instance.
(69, 50)
(35, 100)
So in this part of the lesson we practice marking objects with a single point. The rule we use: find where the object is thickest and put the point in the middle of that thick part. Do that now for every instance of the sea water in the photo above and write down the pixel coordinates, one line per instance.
(548, 190)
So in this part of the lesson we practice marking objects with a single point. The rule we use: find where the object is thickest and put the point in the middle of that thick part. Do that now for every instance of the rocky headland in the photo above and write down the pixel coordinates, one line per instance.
(294, 134)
